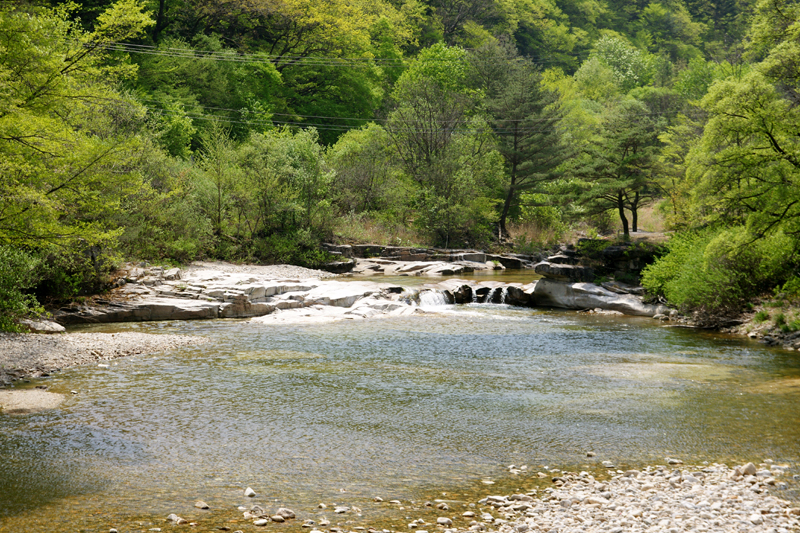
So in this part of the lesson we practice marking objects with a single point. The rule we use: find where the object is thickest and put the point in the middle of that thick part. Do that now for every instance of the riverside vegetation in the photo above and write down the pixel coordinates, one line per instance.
(169, 131)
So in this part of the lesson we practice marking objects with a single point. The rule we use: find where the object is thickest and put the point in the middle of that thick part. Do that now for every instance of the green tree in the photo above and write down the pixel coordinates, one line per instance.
(524, 116)
(67, 137)
(616, 167)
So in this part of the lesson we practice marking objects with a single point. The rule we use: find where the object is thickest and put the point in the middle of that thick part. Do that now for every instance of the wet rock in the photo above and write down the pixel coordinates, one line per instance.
(249, 492)
(201, 505)
(277, 518)
(341, 509)
(444, 521)
(443, 506)
(261, 522)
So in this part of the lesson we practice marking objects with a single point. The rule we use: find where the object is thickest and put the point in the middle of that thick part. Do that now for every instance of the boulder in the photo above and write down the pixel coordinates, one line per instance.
(43, 326)
(564, 272)
(552, 293)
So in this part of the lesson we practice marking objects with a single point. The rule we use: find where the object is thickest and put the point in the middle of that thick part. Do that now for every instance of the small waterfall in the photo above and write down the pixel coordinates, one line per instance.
(489, 296)
(474, 292)
(503, 294)
(432, 299)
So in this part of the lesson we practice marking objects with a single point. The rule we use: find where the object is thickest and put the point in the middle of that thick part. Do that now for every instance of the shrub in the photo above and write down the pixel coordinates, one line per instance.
(719, 270)
(761, 316)
(18, 272)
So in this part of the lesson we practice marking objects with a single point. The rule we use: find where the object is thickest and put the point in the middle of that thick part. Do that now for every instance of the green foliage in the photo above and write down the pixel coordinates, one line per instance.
(67, 137)
(791, 288)
(630, 67)
(19, 271)
(616, 167)
(718, 270)
(761, 316)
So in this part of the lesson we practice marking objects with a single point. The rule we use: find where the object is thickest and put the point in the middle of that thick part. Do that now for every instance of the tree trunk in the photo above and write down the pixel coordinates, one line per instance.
(635, 213)
(511, 188)
(621, 208)
(161, 22)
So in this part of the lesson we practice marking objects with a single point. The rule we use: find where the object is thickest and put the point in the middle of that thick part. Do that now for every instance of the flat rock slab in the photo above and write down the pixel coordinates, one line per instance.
(20, 402)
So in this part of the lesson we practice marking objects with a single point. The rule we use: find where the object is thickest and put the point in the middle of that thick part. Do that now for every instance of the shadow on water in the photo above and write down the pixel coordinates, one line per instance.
(404, 408)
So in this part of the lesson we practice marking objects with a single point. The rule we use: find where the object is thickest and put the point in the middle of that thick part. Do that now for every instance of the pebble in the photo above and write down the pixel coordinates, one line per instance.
(341, 509)
(201, 505)
(700, 499)
(261, 522)
(444, 521)
(249, 492)
(277, 518)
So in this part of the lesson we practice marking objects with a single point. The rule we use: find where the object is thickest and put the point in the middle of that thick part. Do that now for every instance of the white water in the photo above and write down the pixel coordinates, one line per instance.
(432, 298)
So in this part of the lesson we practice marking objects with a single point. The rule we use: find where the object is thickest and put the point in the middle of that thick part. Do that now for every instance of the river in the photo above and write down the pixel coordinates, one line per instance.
(414, 408)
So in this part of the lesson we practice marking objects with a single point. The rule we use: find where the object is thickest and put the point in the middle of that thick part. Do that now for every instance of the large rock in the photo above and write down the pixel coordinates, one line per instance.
(551, 293)
(564, 272)
(43, 326)
(138, 311)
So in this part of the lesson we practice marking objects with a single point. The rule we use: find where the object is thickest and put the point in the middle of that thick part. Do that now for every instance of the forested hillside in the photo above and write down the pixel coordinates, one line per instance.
(252, 130)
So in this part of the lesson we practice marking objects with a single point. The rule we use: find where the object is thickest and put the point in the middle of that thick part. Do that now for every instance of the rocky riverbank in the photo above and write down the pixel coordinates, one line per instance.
(668, 498)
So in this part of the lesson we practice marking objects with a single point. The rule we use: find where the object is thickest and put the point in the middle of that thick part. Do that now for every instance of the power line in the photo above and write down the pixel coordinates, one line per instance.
(233, 56)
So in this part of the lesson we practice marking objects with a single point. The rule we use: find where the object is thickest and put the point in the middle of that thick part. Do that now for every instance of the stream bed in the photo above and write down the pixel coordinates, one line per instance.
(415, 408)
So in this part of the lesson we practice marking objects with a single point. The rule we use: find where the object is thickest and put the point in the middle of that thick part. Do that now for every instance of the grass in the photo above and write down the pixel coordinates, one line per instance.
(761, 316)
(650, 220)
(529, 237)
(362, 228)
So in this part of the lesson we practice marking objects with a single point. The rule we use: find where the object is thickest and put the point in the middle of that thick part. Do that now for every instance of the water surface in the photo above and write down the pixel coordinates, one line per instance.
(407, 408)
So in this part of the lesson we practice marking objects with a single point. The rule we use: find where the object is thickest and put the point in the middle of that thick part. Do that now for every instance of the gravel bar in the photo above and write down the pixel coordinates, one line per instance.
(34, 355)
(657, 499)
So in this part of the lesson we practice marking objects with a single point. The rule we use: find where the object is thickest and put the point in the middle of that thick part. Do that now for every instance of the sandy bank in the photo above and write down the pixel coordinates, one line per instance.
(33, 355)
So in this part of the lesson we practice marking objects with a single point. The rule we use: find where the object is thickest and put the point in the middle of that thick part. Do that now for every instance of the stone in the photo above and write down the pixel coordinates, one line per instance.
(443, 506)
(444, 521)
(341, 509)
(286, 513)
(261, 522)
(249, 492)
(564, 272)
(377, 499)
(673, 461)
(43, 326)
(561, 294)
(749, 469)
(277, 518)
(590, 454)
(201, 505)
(468, 514)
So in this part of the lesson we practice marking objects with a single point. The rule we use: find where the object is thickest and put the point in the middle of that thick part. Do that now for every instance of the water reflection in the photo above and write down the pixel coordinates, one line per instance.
(394, 407)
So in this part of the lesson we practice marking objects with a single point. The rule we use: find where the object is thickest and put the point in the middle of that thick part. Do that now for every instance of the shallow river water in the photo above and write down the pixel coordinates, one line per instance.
(412, 408)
